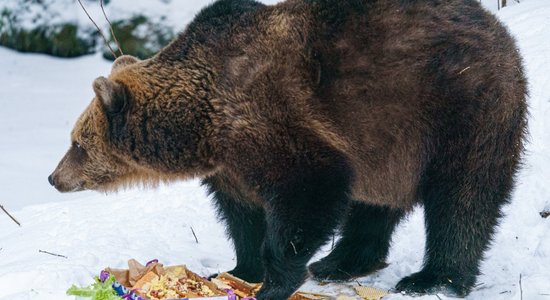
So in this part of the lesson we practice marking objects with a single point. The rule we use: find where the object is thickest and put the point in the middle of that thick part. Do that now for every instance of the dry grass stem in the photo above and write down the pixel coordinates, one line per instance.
(294, 248)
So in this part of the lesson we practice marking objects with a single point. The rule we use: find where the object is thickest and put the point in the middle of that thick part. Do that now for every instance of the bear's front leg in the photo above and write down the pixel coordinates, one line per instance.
(302, 211)
(245, 225)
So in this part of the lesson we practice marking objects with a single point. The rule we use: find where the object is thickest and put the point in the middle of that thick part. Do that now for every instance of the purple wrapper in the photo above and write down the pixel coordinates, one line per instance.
(152, 261)
(231, 294)
(104, 275)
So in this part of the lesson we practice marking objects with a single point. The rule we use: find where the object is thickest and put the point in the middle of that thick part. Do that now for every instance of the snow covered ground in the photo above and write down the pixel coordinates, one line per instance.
(41, 97)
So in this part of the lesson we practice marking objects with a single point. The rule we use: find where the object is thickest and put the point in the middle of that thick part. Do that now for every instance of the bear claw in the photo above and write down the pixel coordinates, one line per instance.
(427, 283)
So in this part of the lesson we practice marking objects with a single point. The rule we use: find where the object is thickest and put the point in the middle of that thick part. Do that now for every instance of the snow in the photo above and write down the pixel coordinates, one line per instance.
(40, 99)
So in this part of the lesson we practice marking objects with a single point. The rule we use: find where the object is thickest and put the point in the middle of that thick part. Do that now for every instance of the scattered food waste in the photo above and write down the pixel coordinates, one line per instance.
(154, 281)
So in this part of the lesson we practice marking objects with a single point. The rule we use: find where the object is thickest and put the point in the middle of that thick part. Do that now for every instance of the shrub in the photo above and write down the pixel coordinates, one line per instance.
(139, 36)
(28, 27)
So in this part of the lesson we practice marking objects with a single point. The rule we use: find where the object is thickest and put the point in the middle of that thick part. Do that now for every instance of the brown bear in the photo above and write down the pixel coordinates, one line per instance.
(312, 116)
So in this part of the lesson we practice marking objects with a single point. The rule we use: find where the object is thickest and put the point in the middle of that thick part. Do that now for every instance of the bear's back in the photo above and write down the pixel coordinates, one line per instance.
(391, 84)
(401, 79)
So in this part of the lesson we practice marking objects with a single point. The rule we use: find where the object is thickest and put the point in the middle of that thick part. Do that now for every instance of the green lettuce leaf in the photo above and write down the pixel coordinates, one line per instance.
(97, 291)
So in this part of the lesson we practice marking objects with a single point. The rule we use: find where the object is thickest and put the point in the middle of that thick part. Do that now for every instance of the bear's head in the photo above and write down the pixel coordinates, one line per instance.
(91, 162)
(124, 138)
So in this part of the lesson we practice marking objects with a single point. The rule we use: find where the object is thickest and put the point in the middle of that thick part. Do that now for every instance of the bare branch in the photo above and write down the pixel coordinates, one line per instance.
(9, 215)
(193, 231)
(111, 28)
(53, 254)
(98, 30)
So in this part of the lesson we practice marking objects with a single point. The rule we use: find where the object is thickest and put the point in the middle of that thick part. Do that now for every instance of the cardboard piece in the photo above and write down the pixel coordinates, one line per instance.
(240, 287)
(129, 277)
(369, 293)
(245, 289)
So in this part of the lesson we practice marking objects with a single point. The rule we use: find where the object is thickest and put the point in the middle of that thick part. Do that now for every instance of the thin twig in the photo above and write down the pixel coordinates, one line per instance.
(193, 231)
(351, 277)
(98, 30)
(438, 297)
(294, 248)
(53, 254)
(464, 70)
(520, 287)
(332, 247)
(479, 286)
(111, 28)
(9, 215)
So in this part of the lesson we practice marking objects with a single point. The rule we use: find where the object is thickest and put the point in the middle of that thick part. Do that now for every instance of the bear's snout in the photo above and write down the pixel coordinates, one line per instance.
(50, 180)
(65, 182)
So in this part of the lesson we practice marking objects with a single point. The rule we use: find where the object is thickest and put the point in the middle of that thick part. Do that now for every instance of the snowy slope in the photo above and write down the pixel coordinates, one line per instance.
(40, 99)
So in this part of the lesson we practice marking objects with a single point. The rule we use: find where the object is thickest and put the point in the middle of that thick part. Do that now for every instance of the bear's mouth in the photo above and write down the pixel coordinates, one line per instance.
(65, 189)
(78, 188)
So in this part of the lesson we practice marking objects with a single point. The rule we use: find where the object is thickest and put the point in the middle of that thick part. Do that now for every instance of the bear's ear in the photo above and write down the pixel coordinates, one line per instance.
(111, 94)
(124, 60)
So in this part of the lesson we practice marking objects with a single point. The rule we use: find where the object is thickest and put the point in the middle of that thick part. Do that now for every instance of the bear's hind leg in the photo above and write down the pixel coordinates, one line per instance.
(245, 225)
(364, 246)
(462, 208)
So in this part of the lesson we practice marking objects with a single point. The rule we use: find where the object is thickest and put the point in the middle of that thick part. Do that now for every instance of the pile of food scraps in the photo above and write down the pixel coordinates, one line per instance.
(150, 282)
(156, 282)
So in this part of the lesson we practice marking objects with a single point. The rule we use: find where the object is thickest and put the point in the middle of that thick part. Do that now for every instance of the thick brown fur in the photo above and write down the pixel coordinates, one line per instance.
(297, 112)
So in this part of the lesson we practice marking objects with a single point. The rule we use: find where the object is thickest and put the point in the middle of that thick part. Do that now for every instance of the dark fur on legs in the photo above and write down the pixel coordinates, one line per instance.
(457, 236)
(245, 224)
(463, 192)
(364, 245)
(302, 213)
(459, 230)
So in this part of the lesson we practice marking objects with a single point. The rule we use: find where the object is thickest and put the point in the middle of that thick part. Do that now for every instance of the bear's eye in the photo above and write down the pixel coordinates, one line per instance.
(77, 145)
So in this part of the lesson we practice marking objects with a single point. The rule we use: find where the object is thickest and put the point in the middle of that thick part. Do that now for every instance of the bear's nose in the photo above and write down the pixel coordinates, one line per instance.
(50, 180)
